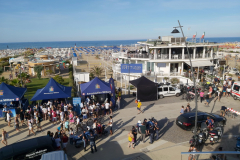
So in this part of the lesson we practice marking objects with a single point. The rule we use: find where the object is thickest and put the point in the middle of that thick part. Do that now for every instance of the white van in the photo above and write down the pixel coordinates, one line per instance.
(56, 155)
(168, 90)
(236, 90)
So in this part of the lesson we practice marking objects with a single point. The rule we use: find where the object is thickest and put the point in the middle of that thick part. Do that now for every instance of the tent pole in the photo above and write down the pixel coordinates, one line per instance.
(125, 85)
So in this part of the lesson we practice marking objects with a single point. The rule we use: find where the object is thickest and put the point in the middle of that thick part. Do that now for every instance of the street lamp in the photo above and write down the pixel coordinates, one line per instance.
(196, 107)
(129, 58)
(20, 70)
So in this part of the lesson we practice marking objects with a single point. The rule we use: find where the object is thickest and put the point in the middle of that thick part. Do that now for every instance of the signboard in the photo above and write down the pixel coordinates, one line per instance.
(131, 68)
(161, 64)
(76, 105)
(12, 113)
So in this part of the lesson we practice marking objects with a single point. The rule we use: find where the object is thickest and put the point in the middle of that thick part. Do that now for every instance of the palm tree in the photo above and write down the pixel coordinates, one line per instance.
(24, 76)
(97, 71)
(15, 82)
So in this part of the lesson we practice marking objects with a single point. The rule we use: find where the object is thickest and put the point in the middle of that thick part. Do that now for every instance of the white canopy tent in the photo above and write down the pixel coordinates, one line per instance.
(200, 64)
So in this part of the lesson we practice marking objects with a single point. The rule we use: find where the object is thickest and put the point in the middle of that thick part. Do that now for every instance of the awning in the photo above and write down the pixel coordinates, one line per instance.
(200, 63)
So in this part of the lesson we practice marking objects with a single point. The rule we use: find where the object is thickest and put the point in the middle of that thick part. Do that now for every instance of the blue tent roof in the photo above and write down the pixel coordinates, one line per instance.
(52, 90)
(10, 93)
(74, 54)
(95, 86)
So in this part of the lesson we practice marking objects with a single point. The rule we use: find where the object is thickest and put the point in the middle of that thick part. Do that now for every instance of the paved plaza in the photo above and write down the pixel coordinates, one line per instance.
(172, 142)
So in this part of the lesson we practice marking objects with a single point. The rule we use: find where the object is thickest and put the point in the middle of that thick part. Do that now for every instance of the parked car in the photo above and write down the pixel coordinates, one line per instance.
(186, 121)
(31, 149)
(236, 90)
(234, 71)
(56, 155)
(168, 90)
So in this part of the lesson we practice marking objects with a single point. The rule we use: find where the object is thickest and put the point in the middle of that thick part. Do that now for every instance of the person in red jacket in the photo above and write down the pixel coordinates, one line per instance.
(64, 141)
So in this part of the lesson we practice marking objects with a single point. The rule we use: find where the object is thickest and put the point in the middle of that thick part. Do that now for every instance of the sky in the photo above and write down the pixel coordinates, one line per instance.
(89, 20)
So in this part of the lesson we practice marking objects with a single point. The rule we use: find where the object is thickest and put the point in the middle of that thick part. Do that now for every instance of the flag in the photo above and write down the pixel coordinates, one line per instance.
(194, 36)
(203, 35)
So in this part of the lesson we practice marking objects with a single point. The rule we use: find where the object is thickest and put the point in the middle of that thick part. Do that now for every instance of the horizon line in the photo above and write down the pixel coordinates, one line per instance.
(103, 40)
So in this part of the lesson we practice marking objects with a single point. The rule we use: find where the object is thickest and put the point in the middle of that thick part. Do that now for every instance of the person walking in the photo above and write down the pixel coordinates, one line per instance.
(229, 91)
(9, 118)
(151, 132)
(130, 140)
(111, 107)
(57, 141)
(201, 96)
(224, 90)
(110, 124)
(134, 132)
(143, 131)
(92, 142)
(217, 95)
(22, 117)
(207, 100)
(30, 127)
(4, 137)
(182, 110)
(64, 142)
(156, 130)
(17, 124)
(107, 107)
(119, 102)
(5, 110)
(38, 122)
(139, 104)
(210, 92)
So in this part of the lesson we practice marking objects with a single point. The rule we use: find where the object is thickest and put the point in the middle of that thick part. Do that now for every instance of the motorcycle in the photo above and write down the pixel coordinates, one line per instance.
(215, 134)
(203, 134)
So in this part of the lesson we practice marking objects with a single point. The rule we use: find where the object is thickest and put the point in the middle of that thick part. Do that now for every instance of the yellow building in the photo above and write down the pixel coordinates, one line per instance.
(47, 65)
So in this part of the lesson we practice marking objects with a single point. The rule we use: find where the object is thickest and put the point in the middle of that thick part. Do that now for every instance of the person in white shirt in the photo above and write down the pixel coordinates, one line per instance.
(8, 118)
(84, 113)
(81, 105)
(65, 108)
(229, 91)
(111, 124)
(107, 108)
(61, 115)
(49, 112)
(90, 110)
(44, 110)
(49, 103)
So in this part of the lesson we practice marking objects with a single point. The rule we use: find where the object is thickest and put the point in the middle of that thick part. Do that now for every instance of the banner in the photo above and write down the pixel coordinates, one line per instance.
(112, 86)
(131, 68)
(76, 105)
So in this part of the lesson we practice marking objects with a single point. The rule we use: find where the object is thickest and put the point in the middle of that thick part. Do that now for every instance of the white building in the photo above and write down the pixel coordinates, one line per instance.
(167, 57)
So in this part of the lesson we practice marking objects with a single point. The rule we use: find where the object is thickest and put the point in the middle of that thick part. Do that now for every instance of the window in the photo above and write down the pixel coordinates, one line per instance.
(171, 89)
(159, 89)
(165, 88)
(236, 87)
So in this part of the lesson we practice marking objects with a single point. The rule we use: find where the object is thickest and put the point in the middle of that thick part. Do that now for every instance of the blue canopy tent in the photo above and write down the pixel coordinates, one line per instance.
(52, 90)
(12, 96)
(10, 93)
(95, 86)
(74, 54)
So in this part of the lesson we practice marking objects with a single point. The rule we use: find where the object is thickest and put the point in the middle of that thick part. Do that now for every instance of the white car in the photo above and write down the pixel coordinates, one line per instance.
(168, 90)
(234, 71)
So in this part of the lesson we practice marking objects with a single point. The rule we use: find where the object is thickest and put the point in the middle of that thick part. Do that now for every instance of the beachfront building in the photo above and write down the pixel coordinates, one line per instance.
(166, 57)
(48, 65)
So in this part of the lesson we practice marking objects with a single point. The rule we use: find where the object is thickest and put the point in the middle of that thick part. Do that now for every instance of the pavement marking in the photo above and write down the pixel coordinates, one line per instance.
(154, 145)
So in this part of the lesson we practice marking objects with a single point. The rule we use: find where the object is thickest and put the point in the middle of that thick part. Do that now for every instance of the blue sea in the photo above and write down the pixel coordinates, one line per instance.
(67, 44)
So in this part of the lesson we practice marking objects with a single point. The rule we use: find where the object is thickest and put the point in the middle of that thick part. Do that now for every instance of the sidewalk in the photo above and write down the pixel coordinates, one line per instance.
(172, 142)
